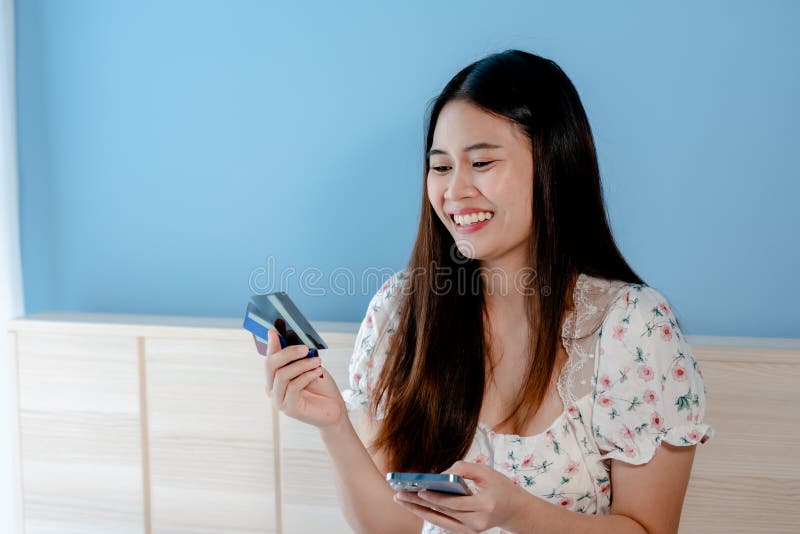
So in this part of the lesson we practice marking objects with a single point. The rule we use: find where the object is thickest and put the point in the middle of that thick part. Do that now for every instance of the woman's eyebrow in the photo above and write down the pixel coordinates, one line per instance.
(475, 146)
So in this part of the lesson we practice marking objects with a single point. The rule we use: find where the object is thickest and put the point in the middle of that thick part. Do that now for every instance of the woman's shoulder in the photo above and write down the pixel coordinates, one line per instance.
(648, 384)
(593, 299)
(643, 307)
(369, 352)
(392, 287)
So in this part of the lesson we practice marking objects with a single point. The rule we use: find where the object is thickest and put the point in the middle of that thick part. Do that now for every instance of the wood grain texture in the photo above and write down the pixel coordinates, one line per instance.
(308, 488)
(79, 430)
(211, 448)
(201, 443)
(16, 449)
(747, 478)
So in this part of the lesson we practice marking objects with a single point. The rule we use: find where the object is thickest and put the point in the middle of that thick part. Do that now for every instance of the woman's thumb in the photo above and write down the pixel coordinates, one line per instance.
(273, 342)
(466, 470)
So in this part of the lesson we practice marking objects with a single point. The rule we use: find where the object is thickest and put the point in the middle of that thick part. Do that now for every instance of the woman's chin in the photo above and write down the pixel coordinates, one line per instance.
(469, 249)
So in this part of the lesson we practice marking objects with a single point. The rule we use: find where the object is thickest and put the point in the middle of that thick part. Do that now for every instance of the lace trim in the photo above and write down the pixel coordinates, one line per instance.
(591, 299)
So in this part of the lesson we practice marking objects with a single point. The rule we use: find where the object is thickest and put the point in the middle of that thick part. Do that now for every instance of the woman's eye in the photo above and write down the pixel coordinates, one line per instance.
(477, 164)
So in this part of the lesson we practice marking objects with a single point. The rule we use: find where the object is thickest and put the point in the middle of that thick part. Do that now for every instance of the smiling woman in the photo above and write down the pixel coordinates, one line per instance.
(518, 349)
(489, 178)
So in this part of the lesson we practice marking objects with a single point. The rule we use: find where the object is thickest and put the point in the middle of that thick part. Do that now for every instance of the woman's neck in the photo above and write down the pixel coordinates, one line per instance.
(503, 282)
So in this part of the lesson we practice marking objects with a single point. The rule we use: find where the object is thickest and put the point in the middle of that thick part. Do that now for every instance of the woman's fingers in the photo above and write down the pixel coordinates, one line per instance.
(298, 384)
(458, 503)
(437, 518)
(286, 374)
(273, 342)
(282, 357)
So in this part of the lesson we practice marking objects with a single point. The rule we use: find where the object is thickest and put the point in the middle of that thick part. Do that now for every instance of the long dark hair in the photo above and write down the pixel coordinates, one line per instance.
(435, 371)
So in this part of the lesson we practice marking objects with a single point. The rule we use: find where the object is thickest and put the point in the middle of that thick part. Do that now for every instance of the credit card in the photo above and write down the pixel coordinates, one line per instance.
(276, 311)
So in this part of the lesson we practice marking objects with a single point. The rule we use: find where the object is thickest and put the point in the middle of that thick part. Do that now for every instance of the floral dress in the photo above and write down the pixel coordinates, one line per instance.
(630, 382)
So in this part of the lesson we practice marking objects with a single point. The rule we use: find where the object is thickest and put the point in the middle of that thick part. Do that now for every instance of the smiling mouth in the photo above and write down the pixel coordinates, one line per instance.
(472, 218)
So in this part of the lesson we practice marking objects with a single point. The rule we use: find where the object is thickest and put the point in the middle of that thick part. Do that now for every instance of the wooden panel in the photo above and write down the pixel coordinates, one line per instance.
(308, 486)
(212, 464)
(747, 478)
(210, 431)
(79, 431)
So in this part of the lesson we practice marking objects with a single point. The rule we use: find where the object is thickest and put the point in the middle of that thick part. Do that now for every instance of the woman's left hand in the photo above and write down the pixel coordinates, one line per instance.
(497, 498)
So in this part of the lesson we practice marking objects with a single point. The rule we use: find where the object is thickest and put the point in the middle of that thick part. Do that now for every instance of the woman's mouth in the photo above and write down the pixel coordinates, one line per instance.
(471, 222)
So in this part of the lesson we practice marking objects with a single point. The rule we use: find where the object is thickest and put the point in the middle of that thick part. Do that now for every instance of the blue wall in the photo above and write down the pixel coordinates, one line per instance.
(164, 146)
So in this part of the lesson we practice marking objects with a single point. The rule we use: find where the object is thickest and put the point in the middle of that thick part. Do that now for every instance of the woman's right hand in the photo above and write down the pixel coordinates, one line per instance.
(300, 387)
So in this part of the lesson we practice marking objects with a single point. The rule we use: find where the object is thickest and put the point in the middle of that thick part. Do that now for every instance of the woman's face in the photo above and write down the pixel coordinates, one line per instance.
(481, 168)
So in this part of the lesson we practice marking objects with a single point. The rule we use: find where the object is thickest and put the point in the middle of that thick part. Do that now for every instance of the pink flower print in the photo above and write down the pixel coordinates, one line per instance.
(357, 378)
(605, 401)
(565, 502)
(656, 420)
(369, 320)
(516, 480)
(571, 468)
(626, 432)
(649, 396)
(664, 308)
(549, 434)
(629, 452)
(605, 489)
(679, 374)
(690, 418)
(666, 333)
(627, 297)
(619, 332)
(645, 373)
(527, 461)
(506, 466)
(369, 364)
(572, 410)
(694, 435)
(605, 382)
(481, 459)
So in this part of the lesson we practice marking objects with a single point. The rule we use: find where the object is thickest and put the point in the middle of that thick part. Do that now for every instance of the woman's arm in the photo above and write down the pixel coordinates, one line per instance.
(366, 499)
(304, 390)
(646, 499)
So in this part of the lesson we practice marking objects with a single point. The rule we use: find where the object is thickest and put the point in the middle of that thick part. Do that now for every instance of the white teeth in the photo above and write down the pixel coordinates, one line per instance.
(472, 218)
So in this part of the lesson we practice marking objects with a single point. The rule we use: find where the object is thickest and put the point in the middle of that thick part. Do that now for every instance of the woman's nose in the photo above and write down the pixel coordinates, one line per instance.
(460, 185)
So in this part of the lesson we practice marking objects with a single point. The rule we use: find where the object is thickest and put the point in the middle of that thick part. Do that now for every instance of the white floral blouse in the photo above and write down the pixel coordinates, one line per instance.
(630, 382)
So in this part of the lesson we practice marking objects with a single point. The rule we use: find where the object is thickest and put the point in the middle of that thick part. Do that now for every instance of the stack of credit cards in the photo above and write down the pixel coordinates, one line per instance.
(276, 311)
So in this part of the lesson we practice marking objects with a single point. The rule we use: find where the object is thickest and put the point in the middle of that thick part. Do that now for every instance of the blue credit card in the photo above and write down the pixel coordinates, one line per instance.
(258, 323)
(255, 323)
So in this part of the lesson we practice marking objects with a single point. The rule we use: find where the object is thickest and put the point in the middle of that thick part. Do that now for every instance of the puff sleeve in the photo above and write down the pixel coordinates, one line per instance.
(648, 386)
(369, 352)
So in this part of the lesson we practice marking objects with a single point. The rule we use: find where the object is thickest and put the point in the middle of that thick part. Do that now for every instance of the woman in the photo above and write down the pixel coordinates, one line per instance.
(518, 349)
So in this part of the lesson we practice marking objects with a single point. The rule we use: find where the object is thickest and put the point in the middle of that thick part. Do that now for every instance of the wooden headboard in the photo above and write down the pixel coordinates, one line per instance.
(147, 424)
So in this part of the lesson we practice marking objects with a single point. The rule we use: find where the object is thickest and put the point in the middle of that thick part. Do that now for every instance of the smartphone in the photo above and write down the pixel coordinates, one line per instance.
(277, 311)
(444, 483)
